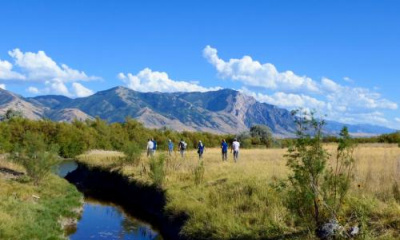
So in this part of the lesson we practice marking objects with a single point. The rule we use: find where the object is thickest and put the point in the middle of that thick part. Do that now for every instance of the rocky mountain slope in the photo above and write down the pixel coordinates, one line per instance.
(223, 111)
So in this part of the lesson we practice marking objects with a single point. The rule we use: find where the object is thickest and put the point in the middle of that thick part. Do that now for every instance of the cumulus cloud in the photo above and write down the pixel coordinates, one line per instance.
(33, 90)
(287, 100)
(3, 86)
(340, 102)
(151, 81)
(349, 80)
(350, 98)
(40, 67)
(81, 91)
(7, 73)
(255, 74)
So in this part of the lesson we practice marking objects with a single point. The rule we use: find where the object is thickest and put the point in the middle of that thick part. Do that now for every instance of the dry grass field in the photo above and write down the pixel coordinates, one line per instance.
(238, 200)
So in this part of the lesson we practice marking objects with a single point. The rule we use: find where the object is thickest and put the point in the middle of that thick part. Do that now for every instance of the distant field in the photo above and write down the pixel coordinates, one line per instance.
(237, 200)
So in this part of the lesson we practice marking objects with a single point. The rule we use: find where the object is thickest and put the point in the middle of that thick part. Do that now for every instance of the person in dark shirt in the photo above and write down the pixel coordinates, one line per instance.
(154, 145)
(224, 147)
(200, 149)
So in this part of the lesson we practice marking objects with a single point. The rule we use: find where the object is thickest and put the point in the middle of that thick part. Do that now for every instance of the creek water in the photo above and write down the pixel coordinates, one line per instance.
(105, 220)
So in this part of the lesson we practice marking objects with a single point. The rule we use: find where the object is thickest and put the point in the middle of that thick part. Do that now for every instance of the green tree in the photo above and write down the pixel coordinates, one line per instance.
(263, 133)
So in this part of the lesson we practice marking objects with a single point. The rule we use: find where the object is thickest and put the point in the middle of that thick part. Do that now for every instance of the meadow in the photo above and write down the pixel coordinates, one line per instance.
(227, 200)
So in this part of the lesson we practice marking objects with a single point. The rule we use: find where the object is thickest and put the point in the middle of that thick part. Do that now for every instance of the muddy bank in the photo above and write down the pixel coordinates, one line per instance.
(144, 202)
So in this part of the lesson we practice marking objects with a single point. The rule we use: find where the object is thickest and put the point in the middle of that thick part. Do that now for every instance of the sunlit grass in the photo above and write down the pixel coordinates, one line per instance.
(35, 212)
(236, 200)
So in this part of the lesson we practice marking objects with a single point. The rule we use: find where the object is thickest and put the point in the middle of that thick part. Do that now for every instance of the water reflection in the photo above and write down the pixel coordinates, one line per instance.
(65, 167)
(101, 221)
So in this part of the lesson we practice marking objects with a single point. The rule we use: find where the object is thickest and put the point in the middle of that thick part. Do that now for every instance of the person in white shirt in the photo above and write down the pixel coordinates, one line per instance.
(150, 148)
(235, 149)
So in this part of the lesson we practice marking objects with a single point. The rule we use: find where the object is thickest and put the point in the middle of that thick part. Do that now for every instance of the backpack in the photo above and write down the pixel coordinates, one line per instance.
(184, 145)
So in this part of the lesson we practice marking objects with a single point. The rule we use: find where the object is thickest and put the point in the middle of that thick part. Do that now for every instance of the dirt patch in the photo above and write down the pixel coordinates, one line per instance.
(6, 173)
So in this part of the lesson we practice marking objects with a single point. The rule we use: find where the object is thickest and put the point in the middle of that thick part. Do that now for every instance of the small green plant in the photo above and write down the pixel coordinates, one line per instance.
(36, 157)
(132, 153)
(157, 170)
(396, 191)
(199, 173)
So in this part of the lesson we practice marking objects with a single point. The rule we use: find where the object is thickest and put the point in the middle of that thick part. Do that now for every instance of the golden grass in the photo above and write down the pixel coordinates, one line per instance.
(236, 199)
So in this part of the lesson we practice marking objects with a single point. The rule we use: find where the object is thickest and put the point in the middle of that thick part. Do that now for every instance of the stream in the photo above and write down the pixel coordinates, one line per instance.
(105, 220)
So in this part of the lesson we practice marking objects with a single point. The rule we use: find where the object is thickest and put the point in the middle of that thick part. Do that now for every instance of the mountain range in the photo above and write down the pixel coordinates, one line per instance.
(222, 111)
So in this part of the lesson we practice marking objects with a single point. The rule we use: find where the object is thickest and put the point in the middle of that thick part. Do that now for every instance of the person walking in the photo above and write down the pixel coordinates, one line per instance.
(154, 146)
(224, 148)
(170, 147)
(235, 149)
(200, 149)
(182, 147)
(150, 146)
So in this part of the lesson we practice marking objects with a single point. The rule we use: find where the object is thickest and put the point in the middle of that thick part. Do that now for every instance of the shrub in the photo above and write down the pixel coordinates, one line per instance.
(132, 153)
(157, 171)
(37, 158)
(317, 193)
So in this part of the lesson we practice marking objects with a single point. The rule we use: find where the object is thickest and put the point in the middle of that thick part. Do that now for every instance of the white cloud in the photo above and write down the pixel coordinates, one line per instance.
(287, 100)
(349, 80)
(6, 72)
(3, 86)
(33, 90)
(354, 98)
(255, 74)
(151, 81)
(339, 102)
(57, 87)
(397, 120)
(80, 90)
(40, 67)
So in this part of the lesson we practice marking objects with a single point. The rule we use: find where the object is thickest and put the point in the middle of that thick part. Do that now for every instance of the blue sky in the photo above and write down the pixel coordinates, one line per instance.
(339, 57)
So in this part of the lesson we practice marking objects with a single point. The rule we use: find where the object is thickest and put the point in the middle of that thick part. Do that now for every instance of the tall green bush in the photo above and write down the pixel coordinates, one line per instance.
(36, 157)
(132, 153)
(317, 190)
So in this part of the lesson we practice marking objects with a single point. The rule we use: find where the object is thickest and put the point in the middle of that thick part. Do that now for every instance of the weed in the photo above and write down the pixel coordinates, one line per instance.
(199, 173)
(157, 171)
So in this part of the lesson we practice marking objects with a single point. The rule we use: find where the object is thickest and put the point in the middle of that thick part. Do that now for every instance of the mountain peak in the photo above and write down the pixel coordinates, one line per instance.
(220, 111)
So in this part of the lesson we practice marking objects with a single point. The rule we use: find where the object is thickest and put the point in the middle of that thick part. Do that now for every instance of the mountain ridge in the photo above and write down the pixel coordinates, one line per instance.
(220, 111)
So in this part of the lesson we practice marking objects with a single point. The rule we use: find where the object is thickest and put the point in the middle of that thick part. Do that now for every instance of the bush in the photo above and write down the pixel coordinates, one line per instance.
(157, 171)
(317, 193)
(37, 158)
(132, 153)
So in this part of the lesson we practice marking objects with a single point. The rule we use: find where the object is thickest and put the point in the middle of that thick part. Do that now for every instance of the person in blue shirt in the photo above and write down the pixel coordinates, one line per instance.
(154, 145)
(200, 149)
(224, 147)
(170, 147)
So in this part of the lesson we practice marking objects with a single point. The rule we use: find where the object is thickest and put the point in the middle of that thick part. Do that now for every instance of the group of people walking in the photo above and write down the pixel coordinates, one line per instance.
(182, 146)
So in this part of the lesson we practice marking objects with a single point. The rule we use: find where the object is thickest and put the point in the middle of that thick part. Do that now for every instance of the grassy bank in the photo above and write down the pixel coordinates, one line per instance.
(35, 212)
(241, 200)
